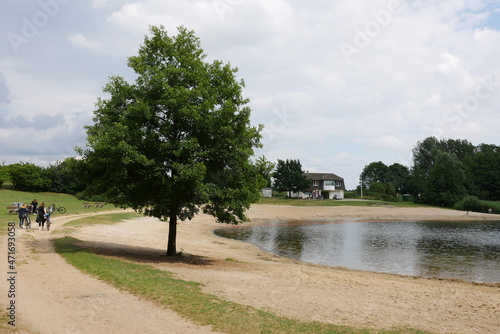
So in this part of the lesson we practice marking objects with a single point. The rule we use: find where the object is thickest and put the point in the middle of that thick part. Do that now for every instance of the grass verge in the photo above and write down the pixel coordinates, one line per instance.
(4, 324)
(105, 219)
(330, 202)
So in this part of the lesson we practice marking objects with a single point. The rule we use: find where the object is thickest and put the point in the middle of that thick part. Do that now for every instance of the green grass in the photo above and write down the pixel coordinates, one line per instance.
(4, 323)
(104, 219)
(187, 299)
(71, 203)
(493, 205)
(329, 202)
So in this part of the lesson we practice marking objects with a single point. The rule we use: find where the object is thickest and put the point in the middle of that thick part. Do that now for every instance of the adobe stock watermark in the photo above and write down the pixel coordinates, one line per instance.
(371, 30)
(222, 7)
(31, 25)
(455, 115)
(278, 123)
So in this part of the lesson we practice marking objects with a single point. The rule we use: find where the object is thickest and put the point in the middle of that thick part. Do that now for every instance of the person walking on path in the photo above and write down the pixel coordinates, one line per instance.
(23, 212)
(41, 216)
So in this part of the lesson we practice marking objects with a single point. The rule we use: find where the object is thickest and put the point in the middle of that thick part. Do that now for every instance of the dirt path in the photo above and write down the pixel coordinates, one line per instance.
(53, 297)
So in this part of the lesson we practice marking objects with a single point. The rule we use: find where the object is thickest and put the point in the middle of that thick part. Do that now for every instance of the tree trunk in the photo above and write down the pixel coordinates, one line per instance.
(172, 236)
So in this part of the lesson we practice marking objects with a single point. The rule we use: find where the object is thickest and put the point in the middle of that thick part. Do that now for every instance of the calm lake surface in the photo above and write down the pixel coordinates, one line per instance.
(468, 251)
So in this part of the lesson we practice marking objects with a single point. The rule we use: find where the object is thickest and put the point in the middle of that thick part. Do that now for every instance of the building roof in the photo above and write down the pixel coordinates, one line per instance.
(323, 176)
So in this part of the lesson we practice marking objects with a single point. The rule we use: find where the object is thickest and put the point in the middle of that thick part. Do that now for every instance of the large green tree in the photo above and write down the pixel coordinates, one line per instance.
(4, 176)
(485, 168)
(399, 176)
(446, 182)
(375, 172)
(28, 177)
(290, 177)
(177, 140)
(62, 177)
(383, 181)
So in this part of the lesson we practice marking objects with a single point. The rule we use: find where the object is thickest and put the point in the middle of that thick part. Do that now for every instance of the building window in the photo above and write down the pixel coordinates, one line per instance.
(338, 183)
(315, 183)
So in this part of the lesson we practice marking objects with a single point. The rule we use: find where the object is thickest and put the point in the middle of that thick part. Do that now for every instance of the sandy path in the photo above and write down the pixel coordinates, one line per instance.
(305, 291)
(53, 297)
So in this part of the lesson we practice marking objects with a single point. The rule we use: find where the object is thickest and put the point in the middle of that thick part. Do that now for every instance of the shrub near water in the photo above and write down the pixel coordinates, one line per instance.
(472, 203)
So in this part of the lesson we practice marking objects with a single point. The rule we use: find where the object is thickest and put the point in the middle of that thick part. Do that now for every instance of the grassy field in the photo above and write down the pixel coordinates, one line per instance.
(278, 200)
(186, 298)
(72, 205)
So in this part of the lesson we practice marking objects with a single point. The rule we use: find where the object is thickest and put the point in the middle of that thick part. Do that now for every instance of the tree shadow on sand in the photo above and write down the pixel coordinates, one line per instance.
(141, 254)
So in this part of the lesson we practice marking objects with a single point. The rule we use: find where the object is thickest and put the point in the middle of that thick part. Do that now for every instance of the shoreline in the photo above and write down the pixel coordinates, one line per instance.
(261, 212)
(322, 217)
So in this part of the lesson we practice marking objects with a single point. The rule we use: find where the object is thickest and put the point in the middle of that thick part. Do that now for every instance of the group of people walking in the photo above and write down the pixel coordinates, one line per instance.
(42, 214)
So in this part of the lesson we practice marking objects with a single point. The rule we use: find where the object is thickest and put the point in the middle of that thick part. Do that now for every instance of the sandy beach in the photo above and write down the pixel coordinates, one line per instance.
(263, 280)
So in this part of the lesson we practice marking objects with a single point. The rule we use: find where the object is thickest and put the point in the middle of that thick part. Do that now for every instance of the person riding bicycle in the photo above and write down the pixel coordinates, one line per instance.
(23, 214)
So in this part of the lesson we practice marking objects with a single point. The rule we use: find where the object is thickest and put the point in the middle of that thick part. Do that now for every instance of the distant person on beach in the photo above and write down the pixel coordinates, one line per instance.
(41, 216)
(490, 210)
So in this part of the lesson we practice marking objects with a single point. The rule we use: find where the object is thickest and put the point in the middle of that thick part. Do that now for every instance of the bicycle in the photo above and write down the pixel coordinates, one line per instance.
(60, 209)
(47, 217)
(27, 221)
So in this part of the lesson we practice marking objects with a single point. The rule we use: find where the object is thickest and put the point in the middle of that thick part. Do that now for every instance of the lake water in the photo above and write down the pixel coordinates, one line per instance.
(468, 251)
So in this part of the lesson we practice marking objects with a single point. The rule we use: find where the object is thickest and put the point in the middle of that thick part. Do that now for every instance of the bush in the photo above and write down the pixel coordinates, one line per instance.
(3, 175)
(495, 206)
(28, 177)
(349, 194)
(382, 191)
(470, 203)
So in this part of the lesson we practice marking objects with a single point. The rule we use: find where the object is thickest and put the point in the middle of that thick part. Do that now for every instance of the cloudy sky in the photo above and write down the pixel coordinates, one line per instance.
(337, 84)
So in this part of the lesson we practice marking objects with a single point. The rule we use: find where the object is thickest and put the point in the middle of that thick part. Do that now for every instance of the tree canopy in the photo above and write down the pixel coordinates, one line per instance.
(177, 140)
(28, 177)
(379, 178)
(290, 177)
(444, 172)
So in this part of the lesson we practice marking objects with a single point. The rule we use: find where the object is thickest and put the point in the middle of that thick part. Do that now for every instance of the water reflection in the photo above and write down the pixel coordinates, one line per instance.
(469, 251)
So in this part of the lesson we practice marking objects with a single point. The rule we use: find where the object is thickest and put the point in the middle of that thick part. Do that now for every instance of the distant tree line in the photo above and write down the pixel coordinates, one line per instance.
(58, 178)
(444, 172)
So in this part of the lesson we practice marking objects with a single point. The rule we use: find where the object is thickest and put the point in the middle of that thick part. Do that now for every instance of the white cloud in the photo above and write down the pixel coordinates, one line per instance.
(391, 142)
(81, 41)
(130, 17)
(426, 58)
(101, 3)
(449, 63)
(4, 90)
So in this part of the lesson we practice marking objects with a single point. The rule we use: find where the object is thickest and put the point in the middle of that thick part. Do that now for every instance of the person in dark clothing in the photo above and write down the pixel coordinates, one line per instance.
(23, 213)
(34, 205)
(41, 216)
